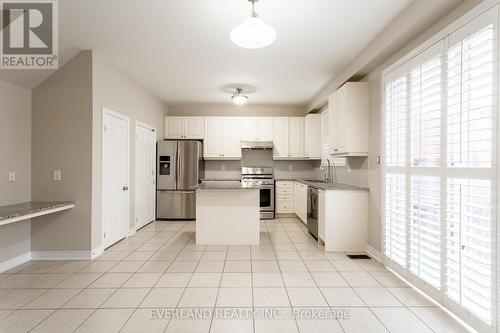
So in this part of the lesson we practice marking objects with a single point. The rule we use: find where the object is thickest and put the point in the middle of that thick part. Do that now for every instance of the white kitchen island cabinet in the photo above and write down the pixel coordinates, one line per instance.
(227, 214)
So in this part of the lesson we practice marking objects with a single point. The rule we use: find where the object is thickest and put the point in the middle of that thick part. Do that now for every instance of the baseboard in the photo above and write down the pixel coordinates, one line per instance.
(375, 254)
(13, 262)
(132, 231)
(97, 252)
(61, 255)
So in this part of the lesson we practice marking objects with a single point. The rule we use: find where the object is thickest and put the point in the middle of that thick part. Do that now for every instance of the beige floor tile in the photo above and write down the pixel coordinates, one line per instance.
(42, 266)
(106, 320)
(270, 297)
(410, 297)
(126, 267)
(376, 296)
(216, 248)
(164, 255)
(319, 325)
(89, 299)
(239, 255)
(63, 321)
(114, 256)
(388, 279)
(298, 279)
(400, 319)
(275, 325)
(329, 279)
(142, 280)
(79, 281)
(362, 320)
(232, 280)
(238, 266)
(52, 299)
(205, 280)
(47, 281)
(126, 298)
(337, 256)
(71, 267)
(234, 298)
(287, 255)
(306, 297)
(174, 280)
(198, 297)
(346, 266)
(162, 298)
(17, 280)
(292, 266)
(182, 267)
(360, 279)
(141, 322)
(98, 267)
(5, 313)
(214, 256)
(267, 280)
(111, 280)
(4, 292)
(319, 266)
(342, 296)
(22, 321)
(372, 265)
(177, 325)
(17, 298)
(223, 325)
(262, 266)
(438, 320)
(312, 255)
(139, 256)
(154, 266)
(189, 256)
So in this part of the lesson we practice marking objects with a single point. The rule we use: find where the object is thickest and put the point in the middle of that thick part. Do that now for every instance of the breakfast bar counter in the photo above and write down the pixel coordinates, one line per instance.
(227, 214)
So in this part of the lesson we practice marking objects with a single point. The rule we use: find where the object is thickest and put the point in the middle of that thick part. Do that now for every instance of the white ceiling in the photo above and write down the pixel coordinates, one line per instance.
(181, 50)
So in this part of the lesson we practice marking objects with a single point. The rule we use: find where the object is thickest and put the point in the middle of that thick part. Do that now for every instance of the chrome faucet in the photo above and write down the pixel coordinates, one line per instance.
(328, 177)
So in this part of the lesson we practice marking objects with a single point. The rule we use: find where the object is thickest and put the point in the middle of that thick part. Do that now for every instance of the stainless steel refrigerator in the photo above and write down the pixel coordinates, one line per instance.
(180, 169)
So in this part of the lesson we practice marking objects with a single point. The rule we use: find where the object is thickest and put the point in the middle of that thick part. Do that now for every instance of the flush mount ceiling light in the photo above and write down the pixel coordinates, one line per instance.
(253, 33)
(238, 98)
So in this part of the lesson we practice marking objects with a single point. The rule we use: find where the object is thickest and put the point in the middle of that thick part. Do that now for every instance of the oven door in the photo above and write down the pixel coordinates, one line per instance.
(267, 198)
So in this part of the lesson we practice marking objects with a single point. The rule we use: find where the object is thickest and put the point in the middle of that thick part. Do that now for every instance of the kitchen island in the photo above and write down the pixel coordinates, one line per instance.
(227, 214)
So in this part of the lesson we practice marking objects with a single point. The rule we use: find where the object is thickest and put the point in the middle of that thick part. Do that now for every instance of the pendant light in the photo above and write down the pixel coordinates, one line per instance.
(253, 33)
(238, 98)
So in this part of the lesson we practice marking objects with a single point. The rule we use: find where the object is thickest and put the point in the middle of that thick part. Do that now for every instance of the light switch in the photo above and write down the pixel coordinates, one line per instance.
(57, 175)
(12, 176)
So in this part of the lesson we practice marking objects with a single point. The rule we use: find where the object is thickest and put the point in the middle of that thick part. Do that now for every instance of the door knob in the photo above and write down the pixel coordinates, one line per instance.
(125, 188)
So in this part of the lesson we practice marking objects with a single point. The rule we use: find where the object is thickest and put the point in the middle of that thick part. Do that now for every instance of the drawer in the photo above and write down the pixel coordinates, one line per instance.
(285, 197)
(284, 207)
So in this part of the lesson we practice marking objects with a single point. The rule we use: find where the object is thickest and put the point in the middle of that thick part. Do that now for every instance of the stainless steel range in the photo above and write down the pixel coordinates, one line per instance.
(262, 178)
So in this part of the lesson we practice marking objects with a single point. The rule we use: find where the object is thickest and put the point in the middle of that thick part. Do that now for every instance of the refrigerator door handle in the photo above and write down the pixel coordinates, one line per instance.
(177, 166)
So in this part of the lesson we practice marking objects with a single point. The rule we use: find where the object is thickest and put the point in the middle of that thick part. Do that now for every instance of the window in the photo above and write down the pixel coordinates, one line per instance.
(439, 169)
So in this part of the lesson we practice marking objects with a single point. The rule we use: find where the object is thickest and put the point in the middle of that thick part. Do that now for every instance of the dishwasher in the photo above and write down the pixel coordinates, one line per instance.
(312, 211)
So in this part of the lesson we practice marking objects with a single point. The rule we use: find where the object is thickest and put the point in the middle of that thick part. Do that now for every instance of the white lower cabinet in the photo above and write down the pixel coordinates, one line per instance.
(284, 197)
(343, 220)
(300, 201)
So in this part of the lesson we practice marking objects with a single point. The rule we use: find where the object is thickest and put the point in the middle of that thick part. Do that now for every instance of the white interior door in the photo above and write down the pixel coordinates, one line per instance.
(145, 174)
(115, 177)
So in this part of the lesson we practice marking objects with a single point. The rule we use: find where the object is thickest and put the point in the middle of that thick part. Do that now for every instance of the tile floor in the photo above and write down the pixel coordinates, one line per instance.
(274, 287)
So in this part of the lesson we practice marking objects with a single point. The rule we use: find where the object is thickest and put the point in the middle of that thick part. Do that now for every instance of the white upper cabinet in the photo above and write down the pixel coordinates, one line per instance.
(288, 138)
(296, 137)
(256, 128)
(349, 119)
(281, 137)
(184, 128)
(312, 138)
(222, 138)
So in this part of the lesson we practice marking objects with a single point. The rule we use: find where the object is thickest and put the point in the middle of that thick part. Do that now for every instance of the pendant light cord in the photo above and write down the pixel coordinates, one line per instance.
(254, 14)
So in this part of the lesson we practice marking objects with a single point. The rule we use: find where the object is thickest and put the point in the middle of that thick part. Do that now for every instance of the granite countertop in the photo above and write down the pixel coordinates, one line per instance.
(223, 185)
(331, 186)
(30, 207)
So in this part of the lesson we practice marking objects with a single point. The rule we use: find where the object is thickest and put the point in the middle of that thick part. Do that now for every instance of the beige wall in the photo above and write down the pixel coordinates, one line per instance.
(116, 91)
(15, 152)
(62, 139)
(230, 110)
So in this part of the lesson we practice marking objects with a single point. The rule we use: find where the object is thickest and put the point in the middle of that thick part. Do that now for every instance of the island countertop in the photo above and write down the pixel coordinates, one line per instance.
(224, 185)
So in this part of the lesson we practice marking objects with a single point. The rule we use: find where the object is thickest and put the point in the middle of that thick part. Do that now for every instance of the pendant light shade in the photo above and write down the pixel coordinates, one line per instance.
(253, 33)
(238, 98)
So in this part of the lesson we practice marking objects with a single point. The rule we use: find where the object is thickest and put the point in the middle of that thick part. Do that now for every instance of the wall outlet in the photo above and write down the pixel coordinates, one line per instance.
(12, 176)
(57, 175)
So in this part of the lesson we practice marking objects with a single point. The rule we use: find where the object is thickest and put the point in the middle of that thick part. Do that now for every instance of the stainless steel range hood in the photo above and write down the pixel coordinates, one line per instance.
(257, 145)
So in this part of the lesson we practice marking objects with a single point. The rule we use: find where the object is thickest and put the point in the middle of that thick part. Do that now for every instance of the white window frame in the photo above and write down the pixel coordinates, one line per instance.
(439, 295)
